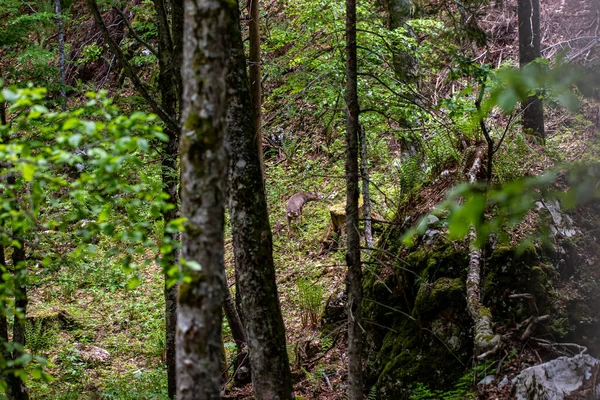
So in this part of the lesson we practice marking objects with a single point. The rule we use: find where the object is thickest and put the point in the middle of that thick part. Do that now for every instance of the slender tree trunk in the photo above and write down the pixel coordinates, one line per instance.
(234, 321)
(253, 247)
(354, 276)
(529, 50)
(255, 76)
(204, 163)
(169, 178)
(364, 172)
(170, 98)
(17, 389)
(177, 38)
(61, 50)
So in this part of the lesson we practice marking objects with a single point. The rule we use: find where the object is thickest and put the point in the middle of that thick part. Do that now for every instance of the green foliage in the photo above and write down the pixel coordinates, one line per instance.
(90, 53)
(310, 300)
(40, 334)
(78, 177)
(462, 389)
(466, 205)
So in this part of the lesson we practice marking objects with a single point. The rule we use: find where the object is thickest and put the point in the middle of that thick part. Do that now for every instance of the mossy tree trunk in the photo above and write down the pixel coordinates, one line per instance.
(204, 163)
(354, 275)
(252, 240)
(529, 50)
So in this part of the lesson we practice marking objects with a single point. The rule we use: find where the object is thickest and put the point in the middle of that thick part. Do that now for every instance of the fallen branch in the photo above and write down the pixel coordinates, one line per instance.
(486, 342)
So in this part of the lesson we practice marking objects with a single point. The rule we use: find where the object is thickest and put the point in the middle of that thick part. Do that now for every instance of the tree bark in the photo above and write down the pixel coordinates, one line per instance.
(255, 76)
(399, 12)
(177, 37)
(170, 99)
(364, 172)
(529, 50)
(253, 247)
(234, 321)
(204, 163)
(354, 276)
(61, 50)
(16, 389)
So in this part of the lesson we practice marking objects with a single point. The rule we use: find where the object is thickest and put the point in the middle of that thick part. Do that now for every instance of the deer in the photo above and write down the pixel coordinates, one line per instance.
(295, 205)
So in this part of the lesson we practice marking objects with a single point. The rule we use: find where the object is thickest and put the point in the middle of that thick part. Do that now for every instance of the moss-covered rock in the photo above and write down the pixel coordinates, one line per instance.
(445, 293)
(434, 345)
(511, 270)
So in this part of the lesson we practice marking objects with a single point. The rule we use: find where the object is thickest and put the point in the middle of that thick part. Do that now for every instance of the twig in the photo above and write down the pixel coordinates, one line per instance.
(134, 33)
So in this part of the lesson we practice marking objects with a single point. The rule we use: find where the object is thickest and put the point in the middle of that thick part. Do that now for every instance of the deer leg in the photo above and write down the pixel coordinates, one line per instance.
(288, 226)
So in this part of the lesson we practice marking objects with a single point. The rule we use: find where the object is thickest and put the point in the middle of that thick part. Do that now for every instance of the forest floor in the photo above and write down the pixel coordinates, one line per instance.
(102, 311)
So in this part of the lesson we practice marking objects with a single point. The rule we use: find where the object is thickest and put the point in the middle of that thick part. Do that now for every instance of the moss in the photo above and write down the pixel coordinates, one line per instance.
(408, 356)
(443, 294)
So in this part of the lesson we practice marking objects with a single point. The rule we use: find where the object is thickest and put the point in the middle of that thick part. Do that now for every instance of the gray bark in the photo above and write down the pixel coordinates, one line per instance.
(204, 162)
(399, 12)
(364, 172)
(253, 247)
(354, 276)
(529, 50)
(255, 76)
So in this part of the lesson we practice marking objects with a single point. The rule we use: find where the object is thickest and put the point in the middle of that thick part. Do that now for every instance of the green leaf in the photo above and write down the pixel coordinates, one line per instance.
(28, 171)
(70, 124)
(133, 283)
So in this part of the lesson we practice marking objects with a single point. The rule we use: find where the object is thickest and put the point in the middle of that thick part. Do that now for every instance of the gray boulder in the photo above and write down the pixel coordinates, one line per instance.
(554, 380)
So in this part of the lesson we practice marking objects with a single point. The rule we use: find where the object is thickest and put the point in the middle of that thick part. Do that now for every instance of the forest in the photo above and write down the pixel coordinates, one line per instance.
(300, 199)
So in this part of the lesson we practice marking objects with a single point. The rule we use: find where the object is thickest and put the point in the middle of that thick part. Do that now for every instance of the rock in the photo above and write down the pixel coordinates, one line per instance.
(432, 220)
(487, 380)
(92, 354)
(554, 380)
(334, 315)
(431, 235)
(563, 224)
(505, 381)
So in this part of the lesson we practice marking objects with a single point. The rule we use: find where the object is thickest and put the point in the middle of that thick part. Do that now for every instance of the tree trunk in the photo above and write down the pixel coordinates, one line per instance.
(170, 98)
(177, 37)
(61, 50)
(354, 276)
(253, 247)
(364, 172)
(234, 321)
(529, 50)
(204, 163)
(255, 76)
(399, 12)
(17, 389)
